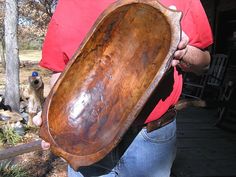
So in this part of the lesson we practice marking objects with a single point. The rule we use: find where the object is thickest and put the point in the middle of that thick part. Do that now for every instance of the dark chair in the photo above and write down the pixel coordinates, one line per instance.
(227, 106)
(216, 72)
(195, 86)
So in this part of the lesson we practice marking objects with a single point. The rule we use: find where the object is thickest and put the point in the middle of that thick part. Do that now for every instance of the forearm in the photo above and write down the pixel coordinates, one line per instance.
(197, 60)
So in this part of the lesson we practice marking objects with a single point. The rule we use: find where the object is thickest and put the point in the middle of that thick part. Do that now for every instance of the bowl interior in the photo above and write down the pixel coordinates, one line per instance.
(107, 79)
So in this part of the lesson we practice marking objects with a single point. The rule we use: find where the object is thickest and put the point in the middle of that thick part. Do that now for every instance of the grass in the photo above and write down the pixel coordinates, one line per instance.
(9, 136)
(9, 170)
(31, 129)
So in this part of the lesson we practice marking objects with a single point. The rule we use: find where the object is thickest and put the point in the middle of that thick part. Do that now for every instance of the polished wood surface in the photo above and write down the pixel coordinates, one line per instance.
(109, 79)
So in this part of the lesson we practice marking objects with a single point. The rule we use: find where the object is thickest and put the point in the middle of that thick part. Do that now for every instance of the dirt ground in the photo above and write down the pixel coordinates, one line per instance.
(37, 164)
(28, 63)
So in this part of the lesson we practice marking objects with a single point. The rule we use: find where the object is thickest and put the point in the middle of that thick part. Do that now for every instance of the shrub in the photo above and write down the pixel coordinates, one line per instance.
(9, 136)
(9, 170)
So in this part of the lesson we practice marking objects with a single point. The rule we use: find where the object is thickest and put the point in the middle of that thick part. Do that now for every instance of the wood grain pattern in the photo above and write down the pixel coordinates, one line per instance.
(109, 79)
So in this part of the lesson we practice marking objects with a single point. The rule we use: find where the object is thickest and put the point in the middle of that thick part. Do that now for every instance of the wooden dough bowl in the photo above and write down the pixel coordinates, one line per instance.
(109, 79)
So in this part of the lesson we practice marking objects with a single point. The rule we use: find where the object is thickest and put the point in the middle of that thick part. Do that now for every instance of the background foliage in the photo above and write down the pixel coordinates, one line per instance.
(34, 16)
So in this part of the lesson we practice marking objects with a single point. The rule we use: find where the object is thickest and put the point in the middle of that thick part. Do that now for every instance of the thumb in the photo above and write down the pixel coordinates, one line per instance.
(37, 119)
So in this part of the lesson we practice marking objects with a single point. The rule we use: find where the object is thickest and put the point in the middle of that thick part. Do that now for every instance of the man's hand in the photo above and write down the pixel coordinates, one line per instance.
(181, 51)
(37, 120)
(190, 58)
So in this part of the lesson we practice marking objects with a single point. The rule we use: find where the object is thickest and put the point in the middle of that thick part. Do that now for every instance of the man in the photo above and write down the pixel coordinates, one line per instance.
(151, 154)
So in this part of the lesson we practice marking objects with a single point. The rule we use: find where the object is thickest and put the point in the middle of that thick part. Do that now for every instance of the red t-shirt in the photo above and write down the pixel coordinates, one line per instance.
(73, 19)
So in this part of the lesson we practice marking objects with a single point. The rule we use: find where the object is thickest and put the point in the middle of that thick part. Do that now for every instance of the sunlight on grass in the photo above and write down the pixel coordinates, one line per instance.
(30, 55)
(9, 170)
(9, 136)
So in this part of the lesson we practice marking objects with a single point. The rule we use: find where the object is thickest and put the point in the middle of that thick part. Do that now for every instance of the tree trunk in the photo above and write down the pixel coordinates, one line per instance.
(2, 55)
(12, 91)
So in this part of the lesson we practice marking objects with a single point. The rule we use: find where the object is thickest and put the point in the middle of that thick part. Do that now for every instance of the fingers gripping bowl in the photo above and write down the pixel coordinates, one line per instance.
(109, 79)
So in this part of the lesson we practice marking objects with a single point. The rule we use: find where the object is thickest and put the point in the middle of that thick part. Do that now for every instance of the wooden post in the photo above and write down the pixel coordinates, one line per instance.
(36, 97)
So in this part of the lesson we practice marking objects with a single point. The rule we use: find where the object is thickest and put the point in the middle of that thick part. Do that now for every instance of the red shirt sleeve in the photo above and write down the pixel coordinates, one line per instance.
(53, 57)
(70, 23)
(195, 24)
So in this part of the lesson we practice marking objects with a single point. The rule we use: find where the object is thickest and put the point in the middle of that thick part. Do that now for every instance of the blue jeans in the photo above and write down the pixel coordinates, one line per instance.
(149, 155)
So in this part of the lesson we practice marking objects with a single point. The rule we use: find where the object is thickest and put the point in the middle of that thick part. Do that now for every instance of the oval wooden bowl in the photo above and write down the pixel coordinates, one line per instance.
(109, 79)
